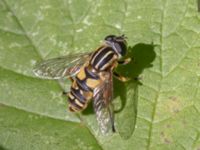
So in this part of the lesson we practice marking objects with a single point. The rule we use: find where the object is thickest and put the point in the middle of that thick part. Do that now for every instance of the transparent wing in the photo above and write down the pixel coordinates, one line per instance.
(103, 96)
(60, 67)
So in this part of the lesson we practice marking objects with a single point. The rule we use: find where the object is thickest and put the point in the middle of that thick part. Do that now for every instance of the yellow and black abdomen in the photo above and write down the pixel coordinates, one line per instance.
(82, 89)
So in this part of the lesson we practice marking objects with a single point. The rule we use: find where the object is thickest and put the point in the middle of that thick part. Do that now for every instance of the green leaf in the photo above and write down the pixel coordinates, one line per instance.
(160, 111)
(22, 130)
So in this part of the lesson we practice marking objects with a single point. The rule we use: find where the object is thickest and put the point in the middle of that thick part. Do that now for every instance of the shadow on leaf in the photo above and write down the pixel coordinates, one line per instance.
(2, 148)
(142, 56)
(126, 94)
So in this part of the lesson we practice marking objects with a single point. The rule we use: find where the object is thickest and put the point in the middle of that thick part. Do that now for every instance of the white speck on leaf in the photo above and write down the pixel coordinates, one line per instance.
(30, 116)
(22, 10)
(33, 62)
(58, 97)
(53, 39)
(34, 33)
(139, 17)
(9, 92)
(14, 45)
(79, 30)
(118, 26)
(69, 1)
(1, 47)
(39, 15)
(62, 45)
(85, 21)
(45, 7)
(82, 145)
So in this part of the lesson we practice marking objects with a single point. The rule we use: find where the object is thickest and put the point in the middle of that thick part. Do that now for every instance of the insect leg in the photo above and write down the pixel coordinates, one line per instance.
(120, 77)
(125, 61)
(71, 79)
(65, 93)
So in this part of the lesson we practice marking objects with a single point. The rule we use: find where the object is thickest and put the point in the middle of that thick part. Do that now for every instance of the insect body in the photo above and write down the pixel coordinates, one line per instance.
(82, 88)
(91, 75)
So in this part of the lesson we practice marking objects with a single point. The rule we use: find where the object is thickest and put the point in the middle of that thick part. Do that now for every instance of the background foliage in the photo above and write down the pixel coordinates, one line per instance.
(164, 40)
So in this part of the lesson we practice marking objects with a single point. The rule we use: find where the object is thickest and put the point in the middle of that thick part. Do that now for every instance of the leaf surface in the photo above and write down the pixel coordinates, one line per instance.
(160, 111)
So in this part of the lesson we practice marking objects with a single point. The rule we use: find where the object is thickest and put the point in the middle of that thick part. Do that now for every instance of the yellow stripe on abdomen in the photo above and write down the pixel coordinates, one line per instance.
(92, 83)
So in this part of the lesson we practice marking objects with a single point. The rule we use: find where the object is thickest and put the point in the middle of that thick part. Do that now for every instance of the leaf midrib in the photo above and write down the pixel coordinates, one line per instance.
(161, 74)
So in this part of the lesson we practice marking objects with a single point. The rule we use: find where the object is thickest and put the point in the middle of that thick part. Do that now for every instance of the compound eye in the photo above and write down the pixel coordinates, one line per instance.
(123, 48)
(110, 38)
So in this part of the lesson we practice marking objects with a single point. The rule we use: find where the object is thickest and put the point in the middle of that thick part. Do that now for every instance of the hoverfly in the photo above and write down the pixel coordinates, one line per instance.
(92, 77)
